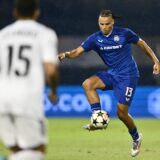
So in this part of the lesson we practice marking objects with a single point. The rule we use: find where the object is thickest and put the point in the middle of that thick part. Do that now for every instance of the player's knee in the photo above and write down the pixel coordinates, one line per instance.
(87, 84)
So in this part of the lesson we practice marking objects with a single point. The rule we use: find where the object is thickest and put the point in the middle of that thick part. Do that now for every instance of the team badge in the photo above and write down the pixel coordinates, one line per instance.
(116, 38)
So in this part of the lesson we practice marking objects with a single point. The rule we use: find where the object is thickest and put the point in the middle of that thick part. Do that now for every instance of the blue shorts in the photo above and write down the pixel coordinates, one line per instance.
(123, 87)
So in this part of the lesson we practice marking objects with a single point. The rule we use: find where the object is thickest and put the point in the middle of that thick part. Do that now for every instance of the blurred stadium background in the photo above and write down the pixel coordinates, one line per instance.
(74, 21)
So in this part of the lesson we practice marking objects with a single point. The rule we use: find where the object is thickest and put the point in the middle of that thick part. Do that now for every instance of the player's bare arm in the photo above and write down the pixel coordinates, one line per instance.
(71, 54)
(144, 46)
(51, 74)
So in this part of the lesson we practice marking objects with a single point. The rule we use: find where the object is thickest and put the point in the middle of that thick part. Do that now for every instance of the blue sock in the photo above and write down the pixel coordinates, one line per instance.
(134, 133)
(95, 106)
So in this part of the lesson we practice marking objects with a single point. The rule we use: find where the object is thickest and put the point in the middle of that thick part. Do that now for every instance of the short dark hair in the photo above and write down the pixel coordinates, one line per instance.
(108, 13)
(26, 8)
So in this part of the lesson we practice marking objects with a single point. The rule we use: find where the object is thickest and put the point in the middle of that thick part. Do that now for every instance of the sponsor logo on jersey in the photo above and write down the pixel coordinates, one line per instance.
(110, 47)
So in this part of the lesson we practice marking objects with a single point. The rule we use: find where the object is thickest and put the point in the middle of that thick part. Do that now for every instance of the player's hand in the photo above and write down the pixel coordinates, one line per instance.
(156, 68)
(61, 56)
(53, 97)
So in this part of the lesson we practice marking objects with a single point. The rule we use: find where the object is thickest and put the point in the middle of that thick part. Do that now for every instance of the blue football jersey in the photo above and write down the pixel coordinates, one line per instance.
(115, 50)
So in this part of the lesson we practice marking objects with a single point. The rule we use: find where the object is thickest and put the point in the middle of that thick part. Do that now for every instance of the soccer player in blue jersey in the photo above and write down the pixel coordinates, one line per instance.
(113, 45)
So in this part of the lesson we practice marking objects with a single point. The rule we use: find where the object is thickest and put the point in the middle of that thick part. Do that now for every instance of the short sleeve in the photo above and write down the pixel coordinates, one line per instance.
(88, 44)
(49, 45)
(131, 37)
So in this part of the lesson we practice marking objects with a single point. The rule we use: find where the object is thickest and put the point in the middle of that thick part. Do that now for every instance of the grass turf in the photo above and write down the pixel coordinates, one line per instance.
(68, 141)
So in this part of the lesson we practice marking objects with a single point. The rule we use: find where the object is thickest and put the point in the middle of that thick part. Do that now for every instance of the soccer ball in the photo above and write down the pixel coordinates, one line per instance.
(100, 119)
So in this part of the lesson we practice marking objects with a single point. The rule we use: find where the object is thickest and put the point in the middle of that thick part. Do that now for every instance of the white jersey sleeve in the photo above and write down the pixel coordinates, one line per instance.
(49, 45)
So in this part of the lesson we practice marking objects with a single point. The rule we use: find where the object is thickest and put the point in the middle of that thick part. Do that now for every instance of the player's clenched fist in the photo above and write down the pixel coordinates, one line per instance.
(61, 56)
(156, 68)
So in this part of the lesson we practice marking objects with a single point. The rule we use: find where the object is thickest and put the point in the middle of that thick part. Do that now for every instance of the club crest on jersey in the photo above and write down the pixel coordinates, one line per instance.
(116, 38)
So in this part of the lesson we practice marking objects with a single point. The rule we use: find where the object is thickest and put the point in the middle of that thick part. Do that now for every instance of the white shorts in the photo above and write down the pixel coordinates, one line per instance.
(23, 132)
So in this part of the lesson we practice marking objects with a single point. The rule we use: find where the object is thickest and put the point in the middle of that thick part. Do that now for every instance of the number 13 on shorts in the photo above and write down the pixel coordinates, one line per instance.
(129, 92)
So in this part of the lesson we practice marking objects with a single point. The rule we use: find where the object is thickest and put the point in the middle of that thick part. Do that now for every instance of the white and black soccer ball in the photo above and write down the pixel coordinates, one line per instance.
(100, 119)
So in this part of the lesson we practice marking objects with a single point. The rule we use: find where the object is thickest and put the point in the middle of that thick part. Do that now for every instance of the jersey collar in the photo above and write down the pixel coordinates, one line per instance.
(108, 34)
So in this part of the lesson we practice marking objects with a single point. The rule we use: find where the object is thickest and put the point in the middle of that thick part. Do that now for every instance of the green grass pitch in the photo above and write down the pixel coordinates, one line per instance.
(68, 141)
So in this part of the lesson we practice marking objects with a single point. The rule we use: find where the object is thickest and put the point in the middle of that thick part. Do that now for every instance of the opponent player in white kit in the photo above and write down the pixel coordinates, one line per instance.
(28, 57)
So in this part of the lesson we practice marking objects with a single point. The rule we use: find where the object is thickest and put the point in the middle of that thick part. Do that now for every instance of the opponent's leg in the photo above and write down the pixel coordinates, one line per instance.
(8, 133)
(126, 118)
(32, 143)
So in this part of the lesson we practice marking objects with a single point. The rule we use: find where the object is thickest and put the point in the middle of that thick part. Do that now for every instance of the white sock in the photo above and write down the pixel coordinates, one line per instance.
(27, 155)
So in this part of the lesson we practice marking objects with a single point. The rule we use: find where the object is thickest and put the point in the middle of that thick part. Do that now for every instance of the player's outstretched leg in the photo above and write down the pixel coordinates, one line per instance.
(90, 86)
(128, 121)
